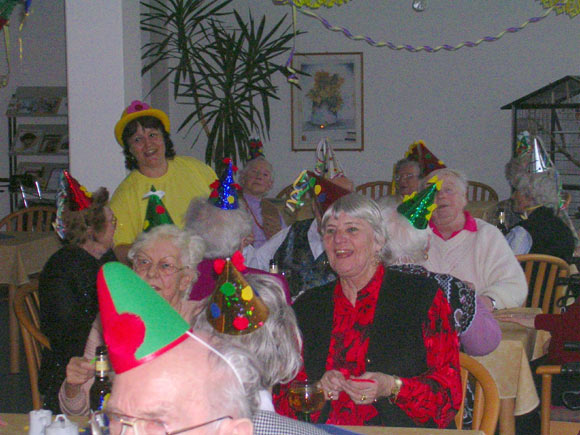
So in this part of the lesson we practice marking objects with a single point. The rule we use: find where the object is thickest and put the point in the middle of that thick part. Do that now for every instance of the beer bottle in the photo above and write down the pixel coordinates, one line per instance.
(102, 387)
(501, 222)
(274, 266)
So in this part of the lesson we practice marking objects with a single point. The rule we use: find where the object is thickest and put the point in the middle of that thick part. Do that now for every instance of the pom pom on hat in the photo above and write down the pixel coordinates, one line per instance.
(234, 308)
(256, 149)
(224, 192)
(418, 207)
(138, 324)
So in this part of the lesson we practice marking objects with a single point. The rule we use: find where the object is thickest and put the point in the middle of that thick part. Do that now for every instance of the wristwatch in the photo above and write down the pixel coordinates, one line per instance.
(396, 388)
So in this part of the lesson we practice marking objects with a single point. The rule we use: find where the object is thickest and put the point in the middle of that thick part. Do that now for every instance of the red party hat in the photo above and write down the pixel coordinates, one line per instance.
(419, 152)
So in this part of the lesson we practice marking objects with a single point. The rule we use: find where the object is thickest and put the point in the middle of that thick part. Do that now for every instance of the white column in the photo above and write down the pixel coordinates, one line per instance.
(103, 75)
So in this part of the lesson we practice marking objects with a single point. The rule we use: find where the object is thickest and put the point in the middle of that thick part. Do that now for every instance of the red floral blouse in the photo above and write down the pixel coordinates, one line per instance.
(432, 395)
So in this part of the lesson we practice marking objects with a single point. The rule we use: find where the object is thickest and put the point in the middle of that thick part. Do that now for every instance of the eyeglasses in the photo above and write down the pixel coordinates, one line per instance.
(405, 177)
(143, 264)
(111, 423)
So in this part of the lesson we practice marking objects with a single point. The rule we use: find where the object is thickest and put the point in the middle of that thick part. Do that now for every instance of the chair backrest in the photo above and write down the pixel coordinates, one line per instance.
(39, 218)
(486, 400)
(477, 191)
(285, 193)
(375, 189)
(542, 274)
(26, 307)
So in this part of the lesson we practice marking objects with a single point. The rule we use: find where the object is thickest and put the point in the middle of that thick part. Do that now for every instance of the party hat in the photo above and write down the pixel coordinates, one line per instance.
(234, 307)
(301, 185)
(138, 324)
(256, 149)
(156, 213)
(326, 191)
(78, 197)
(138, 109)
(418, 151)
(224, 192)
(523, 143)
(418, 207)
(327, 165)
(539, 159)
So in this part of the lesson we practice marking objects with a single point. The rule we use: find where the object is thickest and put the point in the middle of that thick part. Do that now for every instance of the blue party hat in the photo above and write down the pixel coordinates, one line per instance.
(224, 192)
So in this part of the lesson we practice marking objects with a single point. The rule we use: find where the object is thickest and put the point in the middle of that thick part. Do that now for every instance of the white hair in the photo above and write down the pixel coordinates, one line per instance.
(541, 188)
(277, 343)
(250, 164)
(405, 243)
(222, 230)
(459, 177)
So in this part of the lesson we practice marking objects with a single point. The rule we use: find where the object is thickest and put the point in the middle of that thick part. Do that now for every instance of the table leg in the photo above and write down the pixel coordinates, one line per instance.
(507, 419)
(14, 333)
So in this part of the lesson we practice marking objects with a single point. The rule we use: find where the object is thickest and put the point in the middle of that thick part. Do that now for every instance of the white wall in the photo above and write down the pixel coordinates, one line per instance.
(43, 63)
(451, 100)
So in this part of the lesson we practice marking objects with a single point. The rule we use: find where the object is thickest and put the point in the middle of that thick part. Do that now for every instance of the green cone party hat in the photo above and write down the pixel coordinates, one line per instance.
(234, 307)
(138, 324)
(418, 207)
(156, 213)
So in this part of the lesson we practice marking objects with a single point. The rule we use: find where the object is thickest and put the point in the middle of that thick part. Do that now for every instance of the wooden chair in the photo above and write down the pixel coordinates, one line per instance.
(554, 421)
(38, 218)
(477, 191)
(486, 401)
(543, 273)
(26, 306)
(375, 189)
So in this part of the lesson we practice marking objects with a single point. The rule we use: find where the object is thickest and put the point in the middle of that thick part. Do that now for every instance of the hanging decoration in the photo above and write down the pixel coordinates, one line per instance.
(571, 7)
(562, 5)
(314, 4)
(6, 9)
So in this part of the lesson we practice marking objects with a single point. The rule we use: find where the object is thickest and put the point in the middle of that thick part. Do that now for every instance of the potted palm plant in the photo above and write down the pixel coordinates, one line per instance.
(221, 66)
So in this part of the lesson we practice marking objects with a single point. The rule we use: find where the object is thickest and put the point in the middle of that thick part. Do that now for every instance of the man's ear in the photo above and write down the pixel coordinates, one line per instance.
(237, 426)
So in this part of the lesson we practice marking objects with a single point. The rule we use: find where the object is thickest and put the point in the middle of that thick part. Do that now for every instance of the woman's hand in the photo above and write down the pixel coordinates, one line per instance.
(369, 387)
(524, 319)
(78, 371)
(332, 383)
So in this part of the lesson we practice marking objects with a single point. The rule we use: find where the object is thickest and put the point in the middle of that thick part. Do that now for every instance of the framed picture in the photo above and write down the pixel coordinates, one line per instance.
(33, 105)
(330, 103)
(27, 140)
(50, 143)
(36, 170)
(52, 176)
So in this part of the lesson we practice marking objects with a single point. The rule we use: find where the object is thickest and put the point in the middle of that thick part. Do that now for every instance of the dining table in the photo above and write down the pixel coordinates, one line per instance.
(22, 253)
(17, 424)
(509, 366)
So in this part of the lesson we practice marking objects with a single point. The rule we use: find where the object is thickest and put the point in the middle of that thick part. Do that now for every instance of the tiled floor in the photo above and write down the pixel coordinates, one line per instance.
(14, 389)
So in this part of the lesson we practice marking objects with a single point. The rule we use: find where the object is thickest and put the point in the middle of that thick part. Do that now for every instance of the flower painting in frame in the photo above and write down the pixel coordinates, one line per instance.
(329, 103)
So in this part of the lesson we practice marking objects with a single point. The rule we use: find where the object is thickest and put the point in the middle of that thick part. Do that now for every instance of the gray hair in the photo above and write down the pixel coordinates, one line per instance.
(222, 230)
(516, 168)
(458, 175)
(191, 247)
(407, 162)
(277, 343)
(359, 207)
(405, 243)
(541, 188)
(250, 164)
(227, 394)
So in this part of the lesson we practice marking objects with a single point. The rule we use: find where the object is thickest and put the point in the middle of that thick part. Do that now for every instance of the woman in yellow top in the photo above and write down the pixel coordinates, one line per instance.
(143, 132)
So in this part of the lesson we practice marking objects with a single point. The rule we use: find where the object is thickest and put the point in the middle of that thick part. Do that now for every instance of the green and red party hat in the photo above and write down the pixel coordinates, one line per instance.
(234, 307)
(418, 207)
(138, 324)
(523, 143)
(418, 151)
(156, 213)
(256, 148)
(224, 192)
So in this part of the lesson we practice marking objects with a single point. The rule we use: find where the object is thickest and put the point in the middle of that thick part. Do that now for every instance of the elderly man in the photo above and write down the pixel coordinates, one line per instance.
(407, 176)
(170, 380)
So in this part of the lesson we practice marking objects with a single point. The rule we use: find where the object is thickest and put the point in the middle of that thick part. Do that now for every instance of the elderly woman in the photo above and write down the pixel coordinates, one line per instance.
(143, 133)
(166, 258)
(380, 360)
(471, 249)
(224, 233)
(407, 176)
(407, 247)
(256, 180)
(541, 231)
(67, 288)
(276, 344)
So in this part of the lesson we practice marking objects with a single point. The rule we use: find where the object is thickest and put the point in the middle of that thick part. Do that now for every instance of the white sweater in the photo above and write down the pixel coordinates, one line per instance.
(483, 258)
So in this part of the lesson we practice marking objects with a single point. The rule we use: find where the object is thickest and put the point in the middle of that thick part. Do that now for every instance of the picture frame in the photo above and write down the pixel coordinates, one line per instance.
(35, 169)
(330, 102)
(51, 143)
(51, 176)
(34, 105)
(27, 140)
